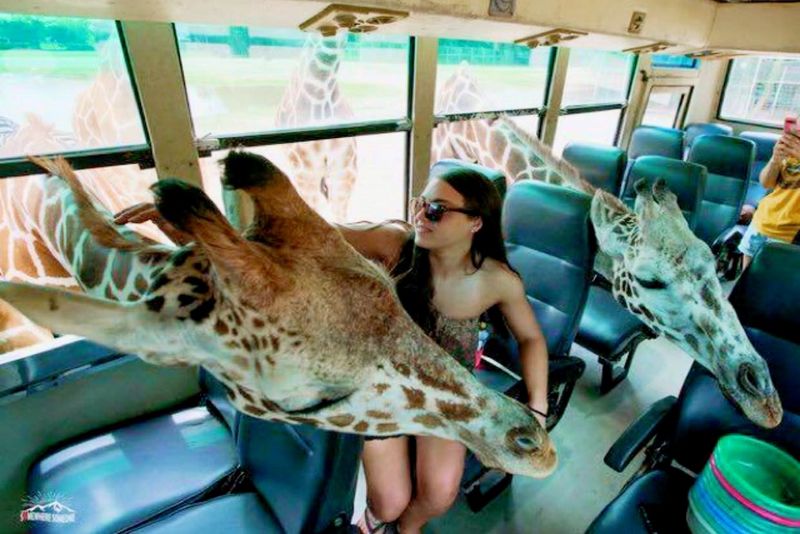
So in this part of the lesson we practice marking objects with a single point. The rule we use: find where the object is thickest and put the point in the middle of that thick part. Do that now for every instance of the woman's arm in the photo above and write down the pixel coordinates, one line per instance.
(378, 242)
(532, 344)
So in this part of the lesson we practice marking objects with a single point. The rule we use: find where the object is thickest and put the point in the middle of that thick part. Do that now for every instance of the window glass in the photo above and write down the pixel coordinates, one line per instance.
(762, 89)
(486, 76)
(599, 127)
(662, 108)
(669, 61)
(64, 86)
(597, 77)
(361, 179)
(449, 141)
(242, 80)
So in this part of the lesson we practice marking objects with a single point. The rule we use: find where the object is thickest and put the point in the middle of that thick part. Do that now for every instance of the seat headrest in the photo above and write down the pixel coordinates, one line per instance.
(496, 177)
(723, 154)
(686, 180)
(704, 128)
(765, 143)
(656, 141)
(550, 219)
(602, 166)
(767, 296)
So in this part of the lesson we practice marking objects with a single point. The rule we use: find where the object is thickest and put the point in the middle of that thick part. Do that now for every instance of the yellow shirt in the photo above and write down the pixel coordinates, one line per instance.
(778, 214)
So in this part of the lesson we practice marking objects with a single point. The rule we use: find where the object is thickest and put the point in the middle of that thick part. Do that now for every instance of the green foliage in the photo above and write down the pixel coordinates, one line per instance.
(48, 33)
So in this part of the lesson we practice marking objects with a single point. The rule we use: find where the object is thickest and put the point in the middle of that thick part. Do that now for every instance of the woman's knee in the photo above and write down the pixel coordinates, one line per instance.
(389, 503)
(438, 493)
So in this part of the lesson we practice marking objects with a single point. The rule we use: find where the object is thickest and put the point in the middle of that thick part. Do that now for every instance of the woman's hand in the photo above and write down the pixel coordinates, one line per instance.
(147, 212)
(788, 146)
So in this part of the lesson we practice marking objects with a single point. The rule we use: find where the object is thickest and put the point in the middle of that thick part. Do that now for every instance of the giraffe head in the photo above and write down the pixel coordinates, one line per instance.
(295, 323)
(665, 275)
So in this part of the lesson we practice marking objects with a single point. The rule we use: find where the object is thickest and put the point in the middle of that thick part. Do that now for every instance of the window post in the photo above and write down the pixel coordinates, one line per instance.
(422, 103)
(558, 80)
(156, 68)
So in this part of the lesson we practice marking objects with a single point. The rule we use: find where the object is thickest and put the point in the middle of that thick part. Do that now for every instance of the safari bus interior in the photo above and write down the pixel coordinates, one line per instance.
(356, 102)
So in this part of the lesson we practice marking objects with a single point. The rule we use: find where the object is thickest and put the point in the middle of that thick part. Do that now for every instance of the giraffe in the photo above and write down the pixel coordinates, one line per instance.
(297, 325)
(324, 171)
(105, 115)
(659, 270)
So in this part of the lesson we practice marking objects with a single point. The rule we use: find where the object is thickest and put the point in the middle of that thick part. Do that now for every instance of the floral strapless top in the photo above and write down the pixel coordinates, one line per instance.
(458, 337)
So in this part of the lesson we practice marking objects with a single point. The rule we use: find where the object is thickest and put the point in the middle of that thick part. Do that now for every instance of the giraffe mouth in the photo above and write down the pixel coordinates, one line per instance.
(319, 406)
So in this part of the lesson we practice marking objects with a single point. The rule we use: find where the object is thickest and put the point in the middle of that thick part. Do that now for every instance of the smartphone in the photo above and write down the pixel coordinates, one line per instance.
(790, 124)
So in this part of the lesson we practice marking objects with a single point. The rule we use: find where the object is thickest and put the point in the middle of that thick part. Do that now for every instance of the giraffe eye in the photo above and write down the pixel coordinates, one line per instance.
(650, 284)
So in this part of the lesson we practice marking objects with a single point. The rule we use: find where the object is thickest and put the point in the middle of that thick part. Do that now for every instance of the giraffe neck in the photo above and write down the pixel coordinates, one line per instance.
(314, 95)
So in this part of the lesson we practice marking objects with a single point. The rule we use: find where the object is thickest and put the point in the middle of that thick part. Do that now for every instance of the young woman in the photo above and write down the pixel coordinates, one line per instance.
(778, 215)
(450, 267)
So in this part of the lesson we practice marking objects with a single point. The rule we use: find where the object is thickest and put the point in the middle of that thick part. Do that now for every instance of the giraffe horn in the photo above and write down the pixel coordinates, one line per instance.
(104, 321)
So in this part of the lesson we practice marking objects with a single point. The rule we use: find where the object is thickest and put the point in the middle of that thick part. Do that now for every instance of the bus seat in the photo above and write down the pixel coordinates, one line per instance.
(685, 431)
(606, 328)
(496, 177)
(765, 143)
(696, 129)
(306, 476)
(656, 141)
(240, 513)
(728, 161)
(126, 476)
(142, 469)
(550, 242)
(602, 166)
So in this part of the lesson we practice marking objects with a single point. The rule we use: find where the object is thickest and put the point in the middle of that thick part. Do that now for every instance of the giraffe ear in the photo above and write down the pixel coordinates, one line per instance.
(612, 222)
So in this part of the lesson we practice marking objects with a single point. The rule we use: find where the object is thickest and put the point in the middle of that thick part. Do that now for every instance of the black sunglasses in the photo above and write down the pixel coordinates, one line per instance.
(434, 211)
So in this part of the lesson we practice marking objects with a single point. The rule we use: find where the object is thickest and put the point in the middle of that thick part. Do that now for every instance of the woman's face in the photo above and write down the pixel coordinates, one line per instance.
(453, 228)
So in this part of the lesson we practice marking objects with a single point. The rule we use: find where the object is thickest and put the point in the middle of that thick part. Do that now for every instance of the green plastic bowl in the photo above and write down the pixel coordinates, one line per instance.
(762, 473)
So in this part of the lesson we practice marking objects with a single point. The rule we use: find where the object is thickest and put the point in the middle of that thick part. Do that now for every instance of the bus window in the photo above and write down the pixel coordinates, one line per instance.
(595, 93)
(666, 106)
(64, 86)
(761, 90)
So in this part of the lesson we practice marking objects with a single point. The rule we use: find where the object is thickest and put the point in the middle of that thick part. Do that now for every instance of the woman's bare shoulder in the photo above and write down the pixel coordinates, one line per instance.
(503, 279)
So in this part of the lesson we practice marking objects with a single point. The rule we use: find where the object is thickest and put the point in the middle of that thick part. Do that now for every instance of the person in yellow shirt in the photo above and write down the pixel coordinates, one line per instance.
(778, 215)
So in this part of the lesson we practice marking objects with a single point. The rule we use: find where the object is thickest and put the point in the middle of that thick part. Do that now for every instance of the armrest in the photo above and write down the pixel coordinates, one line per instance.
(639, 434)
(728, 234)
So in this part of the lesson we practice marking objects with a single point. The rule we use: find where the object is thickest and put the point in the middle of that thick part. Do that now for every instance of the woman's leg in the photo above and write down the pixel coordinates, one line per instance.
(388, 474)
(440, 464)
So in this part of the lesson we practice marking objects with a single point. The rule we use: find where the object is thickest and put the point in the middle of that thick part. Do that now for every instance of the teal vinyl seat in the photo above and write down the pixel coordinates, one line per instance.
(602, 166)
(728, 161)
(696, 129)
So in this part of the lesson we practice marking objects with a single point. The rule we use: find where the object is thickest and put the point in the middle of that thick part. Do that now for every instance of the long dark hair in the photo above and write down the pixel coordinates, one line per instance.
(413, 270)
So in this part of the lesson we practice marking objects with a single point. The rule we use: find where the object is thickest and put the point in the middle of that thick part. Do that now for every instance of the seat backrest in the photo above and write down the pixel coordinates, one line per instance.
(765, 143)
(727, 160)
(306, 476)
(550, 242)
(696, 129)
(765, 298)
(656, 141)
(602, 166)
(496, 177)
(686, 180)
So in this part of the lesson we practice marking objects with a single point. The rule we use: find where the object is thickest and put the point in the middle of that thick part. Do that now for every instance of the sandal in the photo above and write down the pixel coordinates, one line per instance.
(369, 524)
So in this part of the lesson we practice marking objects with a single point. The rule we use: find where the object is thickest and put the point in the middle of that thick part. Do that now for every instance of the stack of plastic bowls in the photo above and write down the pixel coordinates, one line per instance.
(748, 486)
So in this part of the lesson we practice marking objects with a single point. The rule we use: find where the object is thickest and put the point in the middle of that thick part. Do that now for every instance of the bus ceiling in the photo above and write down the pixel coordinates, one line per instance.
(708, 28)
